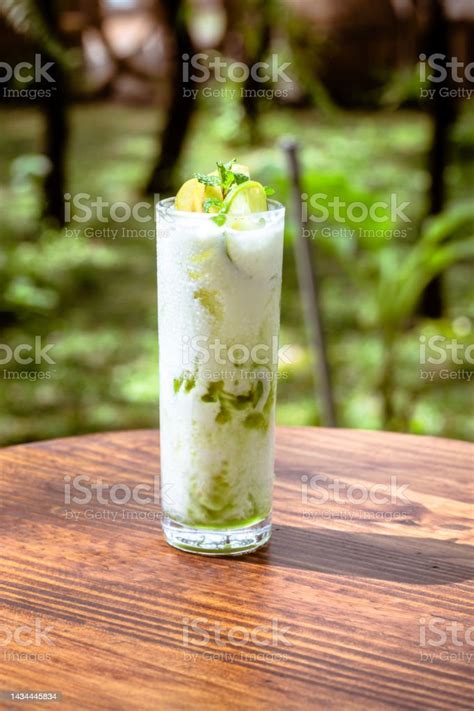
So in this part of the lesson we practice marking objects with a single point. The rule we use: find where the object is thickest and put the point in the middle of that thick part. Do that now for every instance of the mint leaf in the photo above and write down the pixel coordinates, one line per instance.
(226, 175)
(230, 163)
(227, 180)
(223, 170)
(219, 219)
(240, 178)
(211, 202)
(207, 179)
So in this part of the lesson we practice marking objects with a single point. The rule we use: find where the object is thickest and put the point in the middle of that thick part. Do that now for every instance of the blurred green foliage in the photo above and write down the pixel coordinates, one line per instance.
(94, 297)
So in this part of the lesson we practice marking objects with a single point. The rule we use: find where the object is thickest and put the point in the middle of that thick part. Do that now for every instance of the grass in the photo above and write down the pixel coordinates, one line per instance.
(93, 297)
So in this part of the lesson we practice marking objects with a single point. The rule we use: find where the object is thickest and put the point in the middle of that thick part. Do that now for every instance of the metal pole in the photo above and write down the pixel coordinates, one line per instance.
(308, 284)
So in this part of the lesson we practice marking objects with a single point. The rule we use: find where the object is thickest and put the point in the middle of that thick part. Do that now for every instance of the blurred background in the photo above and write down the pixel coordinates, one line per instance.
(121, 100)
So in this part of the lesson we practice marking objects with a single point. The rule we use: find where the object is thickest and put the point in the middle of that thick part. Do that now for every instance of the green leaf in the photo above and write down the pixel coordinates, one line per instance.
(268, 190)
(226, 175)
(211, 202)
(227, 180)
(240, 178)
(230, 163)
(221, 167)
(207, 179)
(444, 226)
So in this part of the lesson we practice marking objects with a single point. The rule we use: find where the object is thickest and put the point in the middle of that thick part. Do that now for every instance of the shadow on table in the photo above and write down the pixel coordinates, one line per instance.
(421, 561)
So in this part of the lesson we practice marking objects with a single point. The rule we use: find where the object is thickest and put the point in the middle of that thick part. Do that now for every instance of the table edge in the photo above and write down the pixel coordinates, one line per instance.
(45, 443)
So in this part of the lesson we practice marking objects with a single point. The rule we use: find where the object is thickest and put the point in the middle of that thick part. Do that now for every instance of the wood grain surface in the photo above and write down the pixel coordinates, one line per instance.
(356, 603)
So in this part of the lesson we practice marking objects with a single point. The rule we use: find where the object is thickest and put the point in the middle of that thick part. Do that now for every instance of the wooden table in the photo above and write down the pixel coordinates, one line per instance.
(351, 606)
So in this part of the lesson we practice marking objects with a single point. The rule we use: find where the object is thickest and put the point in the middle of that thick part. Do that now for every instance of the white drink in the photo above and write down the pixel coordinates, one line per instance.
(218, 309)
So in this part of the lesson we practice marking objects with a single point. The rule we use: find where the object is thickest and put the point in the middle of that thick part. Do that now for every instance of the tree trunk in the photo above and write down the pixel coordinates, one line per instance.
(181, 108)
(249, 102)
(443, 111)
(56, 124)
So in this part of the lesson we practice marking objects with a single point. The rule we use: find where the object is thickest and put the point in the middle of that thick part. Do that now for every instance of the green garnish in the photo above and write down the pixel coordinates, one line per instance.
(228, 401)
(229, 178)
(187, 379)
(240, 178)
(225, 179)
(207, 179)
(211, 202)
(226, 175)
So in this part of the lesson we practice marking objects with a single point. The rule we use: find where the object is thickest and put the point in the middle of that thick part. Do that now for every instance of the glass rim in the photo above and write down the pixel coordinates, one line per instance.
(165, 207)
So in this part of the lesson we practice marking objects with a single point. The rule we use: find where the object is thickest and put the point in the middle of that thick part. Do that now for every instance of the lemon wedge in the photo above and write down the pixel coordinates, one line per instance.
(192, 193)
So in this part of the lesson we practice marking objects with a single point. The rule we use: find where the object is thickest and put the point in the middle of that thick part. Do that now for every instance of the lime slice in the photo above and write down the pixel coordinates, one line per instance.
(245, 199)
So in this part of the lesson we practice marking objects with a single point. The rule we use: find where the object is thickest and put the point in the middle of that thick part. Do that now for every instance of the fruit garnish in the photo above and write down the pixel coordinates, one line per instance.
(244, 199)
(226, 177)
(194, 194)
(226, 191)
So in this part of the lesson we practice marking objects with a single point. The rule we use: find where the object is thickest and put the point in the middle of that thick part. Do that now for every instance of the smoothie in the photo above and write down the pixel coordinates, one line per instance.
(219, 276)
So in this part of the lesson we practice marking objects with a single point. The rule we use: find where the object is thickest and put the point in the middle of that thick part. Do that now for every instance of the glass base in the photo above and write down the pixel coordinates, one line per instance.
(229, 541)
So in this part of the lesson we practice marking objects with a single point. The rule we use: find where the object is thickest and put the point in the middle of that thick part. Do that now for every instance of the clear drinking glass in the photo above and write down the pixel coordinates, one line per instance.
(219, 289)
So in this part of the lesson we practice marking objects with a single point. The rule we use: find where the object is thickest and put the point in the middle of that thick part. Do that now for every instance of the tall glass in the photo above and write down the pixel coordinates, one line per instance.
(219, 289)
